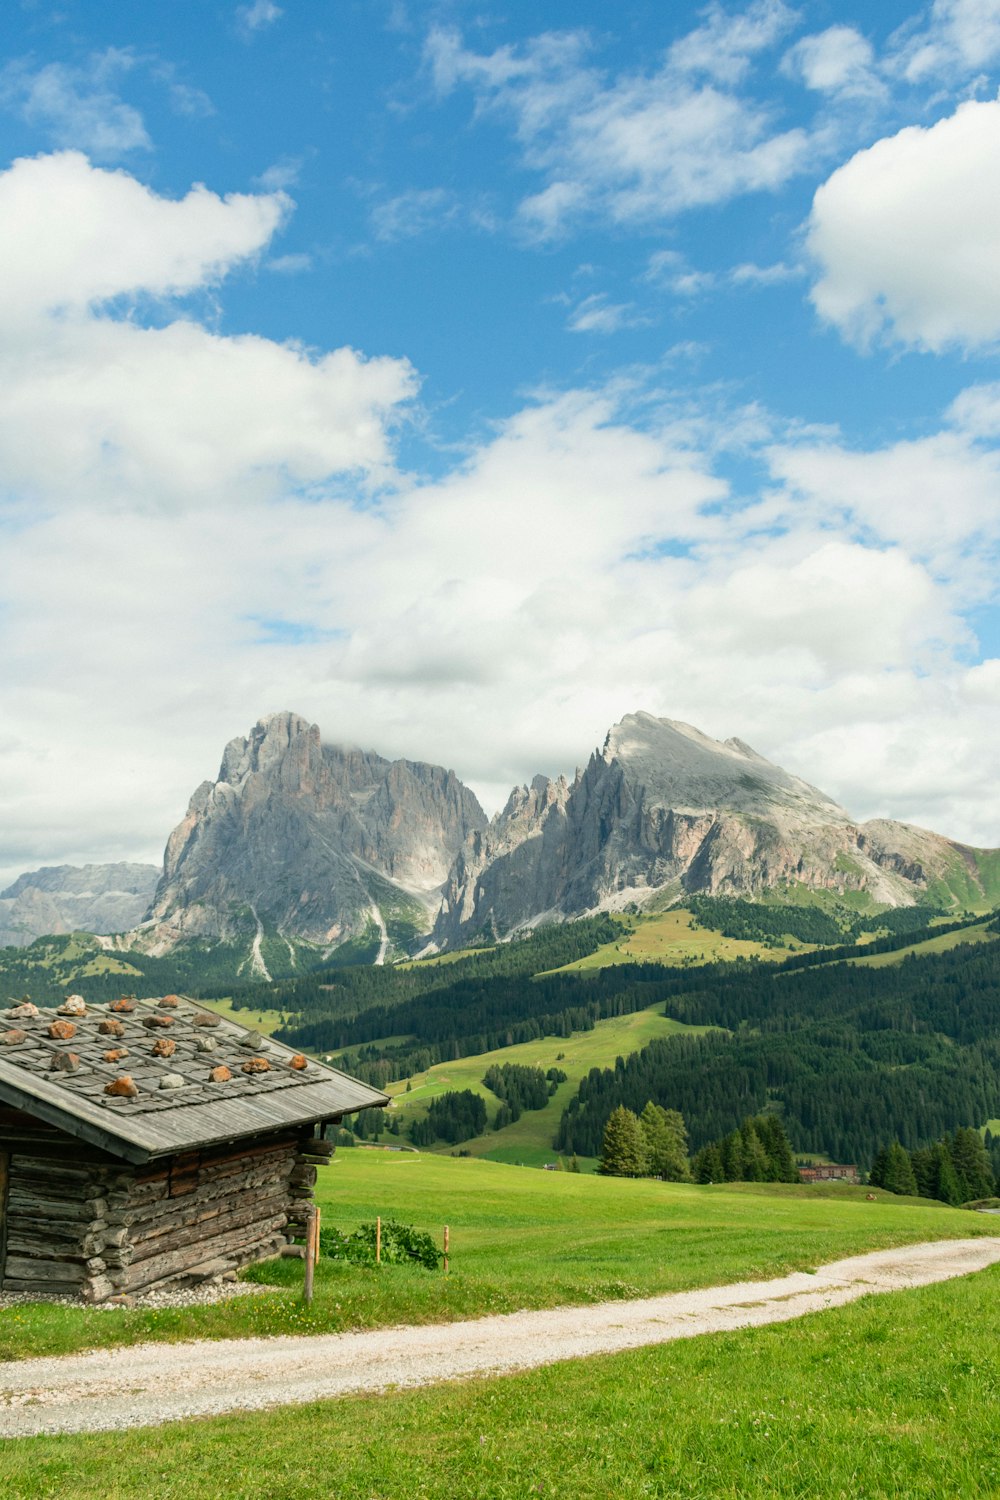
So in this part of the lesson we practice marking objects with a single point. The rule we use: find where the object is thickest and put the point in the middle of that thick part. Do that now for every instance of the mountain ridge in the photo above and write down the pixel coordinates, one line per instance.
(328, 847)
(58, 899)
(663, 809)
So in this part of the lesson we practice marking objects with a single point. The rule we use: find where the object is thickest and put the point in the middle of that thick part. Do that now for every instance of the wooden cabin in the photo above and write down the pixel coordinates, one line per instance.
(150, 1143)
(829, 1172)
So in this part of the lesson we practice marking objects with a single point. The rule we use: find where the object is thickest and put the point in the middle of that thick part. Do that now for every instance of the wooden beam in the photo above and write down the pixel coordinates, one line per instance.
(4, 1180)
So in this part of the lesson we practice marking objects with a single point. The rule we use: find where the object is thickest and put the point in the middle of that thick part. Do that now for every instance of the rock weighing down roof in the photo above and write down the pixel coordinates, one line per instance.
(145, 1078)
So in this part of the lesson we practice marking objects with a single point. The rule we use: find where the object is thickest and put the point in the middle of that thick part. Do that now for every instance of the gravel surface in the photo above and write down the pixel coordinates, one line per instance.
(196, 1296)
(152, 1383)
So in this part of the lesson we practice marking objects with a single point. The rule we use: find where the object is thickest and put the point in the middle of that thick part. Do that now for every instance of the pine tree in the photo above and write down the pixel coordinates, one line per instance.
(926, 1171)
(707, 1165)
(899, 1176)
(755, 1162)
(623, 1150)
(731, 1151)
(666, 1143)
(778, 1148)
(948, 1187)
(879, 1167)
(971, 1163)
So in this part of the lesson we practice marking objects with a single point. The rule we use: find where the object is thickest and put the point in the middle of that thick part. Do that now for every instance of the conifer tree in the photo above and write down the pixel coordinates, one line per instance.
(926, 1168)
(779, 1151)
(971, 1163)
(948, 1188)
(755, 1163)
(731, 1151)
(880, 1166)
(899, 1176)
(666, 1143)
(707, 1165)
(623, 1150)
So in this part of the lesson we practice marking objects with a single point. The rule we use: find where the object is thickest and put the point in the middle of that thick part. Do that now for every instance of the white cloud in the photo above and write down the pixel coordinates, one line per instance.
(168, 488)
(77, 106)
(960, 37)
(642, 146)
(838, 61)
(98, 405)
(750, 274)
(290, 265)
(87, 235)
(907, 235)
(722, 48)
(412, 213)
(596, 314)
(670, 270)
(280, 175)
(934, 495)
(257, 17)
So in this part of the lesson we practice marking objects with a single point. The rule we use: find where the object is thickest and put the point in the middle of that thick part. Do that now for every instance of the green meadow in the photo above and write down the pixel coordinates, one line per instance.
(673, 937)
(943, 944)
(890, 1397)
(528, 1141)
(518, 1239)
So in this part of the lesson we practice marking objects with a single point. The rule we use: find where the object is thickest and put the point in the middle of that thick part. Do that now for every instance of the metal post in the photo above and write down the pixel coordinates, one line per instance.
(378, 1240)
(446, 1242)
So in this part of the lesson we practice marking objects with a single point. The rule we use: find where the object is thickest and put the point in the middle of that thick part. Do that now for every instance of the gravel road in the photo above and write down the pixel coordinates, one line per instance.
(152, 1383)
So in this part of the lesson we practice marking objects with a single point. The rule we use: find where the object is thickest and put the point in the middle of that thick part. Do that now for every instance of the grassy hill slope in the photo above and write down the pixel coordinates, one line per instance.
(528, 1141)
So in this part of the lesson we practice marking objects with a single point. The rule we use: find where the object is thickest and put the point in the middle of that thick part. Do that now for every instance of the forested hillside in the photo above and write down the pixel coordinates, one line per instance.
(853, 1055)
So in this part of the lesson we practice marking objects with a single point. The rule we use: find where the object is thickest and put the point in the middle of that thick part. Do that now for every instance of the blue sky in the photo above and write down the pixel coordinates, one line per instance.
(465, 378)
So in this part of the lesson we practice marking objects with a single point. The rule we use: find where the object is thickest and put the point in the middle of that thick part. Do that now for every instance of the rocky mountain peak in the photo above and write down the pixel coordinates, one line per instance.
(680, 767)
(321, 842)
(273, 741)
(663, 809)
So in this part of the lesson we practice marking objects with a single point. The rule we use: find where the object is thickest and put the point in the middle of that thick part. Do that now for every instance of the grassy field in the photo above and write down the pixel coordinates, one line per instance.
(671, 937)
(889, 1397)
(528, 1141)
(518, 1239)
(947, 940)
(265, 1021)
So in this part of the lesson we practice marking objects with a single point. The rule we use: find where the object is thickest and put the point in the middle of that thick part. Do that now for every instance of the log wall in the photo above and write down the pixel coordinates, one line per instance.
(78, 1222)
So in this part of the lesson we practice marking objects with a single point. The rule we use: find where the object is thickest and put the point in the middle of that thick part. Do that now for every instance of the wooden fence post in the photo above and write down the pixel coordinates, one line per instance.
(446, 1242)
(378, 1240)
(311, 1238)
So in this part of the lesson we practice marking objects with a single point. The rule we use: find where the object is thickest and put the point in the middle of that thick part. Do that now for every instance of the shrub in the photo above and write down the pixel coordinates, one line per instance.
(401, 1243)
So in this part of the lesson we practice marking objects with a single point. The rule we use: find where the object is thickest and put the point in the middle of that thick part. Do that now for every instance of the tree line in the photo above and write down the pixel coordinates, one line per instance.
(955, 1169)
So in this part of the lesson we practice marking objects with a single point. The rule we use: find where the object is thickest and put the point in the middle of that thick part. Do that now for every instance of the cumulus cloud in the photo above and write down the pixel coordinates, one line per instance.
(148, 467)
(86, 235)
(161, 414)
(207, 527)
(906, 236)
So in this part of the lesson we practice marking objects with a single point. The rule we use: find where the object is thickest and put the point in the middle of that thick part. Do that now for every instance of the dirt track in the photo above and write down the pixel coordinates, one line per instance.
(152, 1383)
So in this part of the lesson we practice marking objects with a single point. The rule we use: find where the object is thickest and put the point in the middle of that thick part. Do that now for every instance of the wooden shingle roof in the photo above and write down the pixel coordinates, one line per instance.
(188, 1111)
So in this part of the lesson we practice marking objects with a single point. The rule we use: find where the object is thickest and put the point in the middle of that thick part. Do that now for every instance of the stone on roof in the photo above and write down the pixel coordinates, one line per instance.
(195, 1078)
